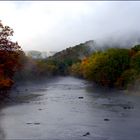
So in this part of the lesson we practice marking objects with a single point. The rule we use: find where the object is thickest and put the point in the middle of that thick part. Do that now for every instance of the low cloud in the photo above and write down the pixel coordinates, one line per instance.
(53, 26)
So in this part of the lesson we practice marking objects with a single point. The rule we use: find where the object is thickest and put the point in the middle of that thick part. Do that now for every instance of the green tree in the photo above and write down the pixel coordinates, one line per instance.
(126, 78)
(105, 67)
(76, 69)
(135, 62)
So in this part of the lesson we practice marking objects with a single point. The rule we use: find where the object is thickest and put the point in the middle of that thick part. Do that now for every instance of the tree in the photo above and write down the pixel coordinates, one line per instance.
(9, 57)
(136, 48)
(135, 61)
(127, 77)
(76, 69)
(105, 67)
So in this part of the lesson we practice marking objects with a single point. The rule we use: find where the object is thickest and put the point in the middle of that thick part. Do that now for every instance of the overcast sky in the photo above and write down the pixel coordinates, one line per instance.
(53, 26)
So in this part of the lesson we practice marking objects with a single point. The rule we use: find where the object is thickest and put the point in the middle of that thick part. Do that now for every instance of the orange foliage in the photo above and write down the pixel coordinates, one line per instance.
(6, 83)
(9, 57)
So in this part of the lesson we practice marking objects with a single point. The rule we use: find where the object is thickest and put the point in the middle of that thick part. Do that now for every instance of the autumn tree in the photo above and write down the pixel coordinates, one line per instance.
(105, 67)
(9, 57)
(76, 70)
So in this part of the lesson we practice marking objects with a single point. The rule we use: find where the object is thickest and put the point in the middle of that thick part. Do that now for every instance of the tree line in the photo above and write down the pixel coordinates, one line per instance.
(110, 67)
(113, 67)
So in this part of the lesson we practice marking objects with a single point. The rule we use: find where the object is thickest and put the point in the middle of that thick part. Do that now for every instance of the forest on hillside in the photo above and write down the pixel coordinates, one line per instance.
(110, 67)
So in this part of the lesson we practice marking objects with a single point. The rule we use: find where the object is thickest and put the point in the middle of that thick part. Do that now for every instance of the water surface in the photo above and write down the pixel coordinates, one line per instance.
(69, 108)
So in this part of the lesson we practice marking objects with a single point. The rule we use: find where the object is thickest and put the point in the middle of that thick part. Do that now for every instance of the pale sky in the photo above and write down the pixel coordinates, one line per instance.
(56, 25)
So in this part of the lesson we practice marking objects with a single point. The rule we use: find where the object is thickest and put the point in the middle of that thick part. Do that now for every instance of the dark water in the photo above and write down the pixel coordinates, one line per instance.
(68, 108)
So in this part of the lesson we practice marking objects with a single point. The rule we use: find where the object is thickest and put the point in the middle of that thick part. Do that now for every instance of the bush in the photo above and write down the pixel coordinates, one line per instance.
(135, 62)
(127, 77)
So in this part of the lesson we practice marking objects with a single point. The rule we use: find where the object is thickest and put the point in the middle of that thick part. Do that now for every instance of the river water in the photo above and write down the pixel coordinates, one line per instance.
(67, 108)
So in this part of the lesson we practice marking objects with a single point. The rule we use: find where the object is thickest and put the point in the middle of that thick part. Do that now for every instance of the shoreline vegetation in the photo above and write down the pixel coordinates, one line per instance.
(10, 53)
(112, 67)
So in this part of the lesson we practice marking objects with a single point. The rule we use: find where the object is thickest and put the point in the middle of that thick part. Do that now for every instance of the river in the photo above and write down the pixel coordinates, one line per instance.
(68, 108)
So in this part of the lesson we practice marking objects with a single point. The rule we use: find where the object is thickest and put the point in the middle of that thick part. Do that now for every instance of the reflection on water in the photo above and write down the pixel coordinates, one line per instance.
(2, 133)
(70, 108)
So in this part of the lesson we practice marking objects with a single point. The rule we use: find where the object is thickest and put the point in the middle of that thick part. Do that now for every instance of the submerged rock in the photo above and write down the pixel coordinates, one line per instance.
(128, 107)
(106, 119)
(86, 134)
(28, 123)
(36, 123)
(80, 97)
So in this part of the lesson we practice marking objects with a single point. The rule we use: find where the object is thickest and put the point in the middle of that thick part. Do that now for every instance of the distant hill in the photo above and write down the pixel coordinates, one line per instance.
(65, 58)
(76, 52)
(38, 54)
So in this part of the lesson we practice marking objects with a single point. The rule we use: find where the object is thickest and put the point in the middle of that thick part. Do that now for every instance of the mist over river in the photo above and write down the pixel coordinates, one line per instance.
(68, 108)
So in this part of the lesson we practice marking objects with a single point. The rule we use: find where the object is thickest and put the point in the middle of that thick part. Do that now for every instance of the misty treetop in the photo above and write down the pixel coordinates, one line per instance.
(58, 64)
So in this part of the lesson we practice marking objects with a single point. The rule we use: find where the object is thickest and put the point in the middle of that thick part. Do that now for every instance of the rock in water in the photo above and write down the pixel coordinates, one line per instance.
(106, 119)
(80, 97)
(86, 134)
